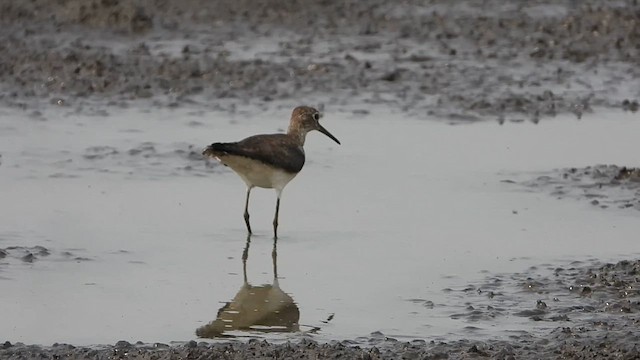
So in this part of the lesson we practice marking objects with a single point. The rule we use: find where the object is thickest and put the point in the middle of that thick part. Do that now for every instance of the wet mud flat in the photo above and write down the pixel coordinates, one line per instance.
(592, 309)
(457, 60)
(604, 186)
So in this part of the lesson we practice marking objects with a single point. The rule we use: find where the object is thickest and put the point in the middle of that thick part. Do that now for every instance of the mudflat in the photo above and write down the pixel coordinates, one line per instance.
(106, 104)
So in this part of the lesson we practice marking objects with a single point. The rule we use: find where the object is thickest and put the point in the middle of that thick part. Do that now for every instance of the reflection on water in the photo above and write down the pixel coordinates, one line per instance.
(264, 308)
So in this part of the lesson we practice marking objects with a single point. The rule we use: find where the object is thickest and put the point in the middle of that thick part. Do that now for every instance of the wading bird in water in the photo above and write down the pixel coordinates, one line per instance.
(270, 161)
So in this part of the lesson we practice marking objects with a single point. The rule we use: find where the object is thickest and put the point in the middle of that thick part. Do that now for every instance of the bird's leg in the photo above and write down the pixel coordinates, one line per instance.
(274, 257)
(245, 256)
(275, 218)
(246, 210)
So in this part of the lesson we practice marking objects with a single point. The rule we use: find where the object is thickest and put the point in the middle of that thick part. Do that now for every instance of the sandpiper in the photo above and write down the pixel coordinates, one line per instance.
(270, 161)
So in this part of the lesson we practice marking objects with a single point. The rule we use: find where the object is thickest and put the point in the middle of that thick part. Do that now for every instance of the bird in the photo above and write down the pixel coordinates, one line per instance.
(270, 161)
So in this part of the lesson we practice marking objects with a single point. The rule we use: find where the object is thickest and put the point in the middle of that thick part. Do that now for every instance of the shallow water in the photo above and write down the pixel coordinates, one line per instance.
(377, 235)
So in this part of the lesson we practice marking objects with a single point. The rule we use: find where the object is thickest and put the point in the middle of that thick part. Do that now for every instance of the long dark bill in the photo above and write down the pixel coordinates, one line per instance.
(326, 132)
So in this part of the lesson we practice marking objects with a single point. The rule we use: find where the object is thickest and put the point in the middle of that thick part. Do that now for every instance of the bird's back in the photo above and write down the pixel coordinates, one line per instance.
(277, 150)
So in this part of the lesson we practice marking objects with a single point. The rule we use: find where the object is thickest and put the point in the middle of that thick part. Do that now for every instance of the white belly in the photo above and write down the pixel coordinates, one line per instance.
(255, 173)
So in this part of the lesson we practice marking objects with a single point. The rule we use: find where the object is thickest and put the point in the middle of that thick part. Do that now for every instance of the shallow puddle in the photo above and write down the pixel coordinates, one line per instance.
(385, 234)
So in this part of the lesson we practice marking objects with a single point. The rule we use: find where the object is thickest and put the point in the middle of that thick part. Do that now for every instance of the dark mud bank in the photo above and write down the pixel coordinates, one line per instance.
(604, 186)
(459, 60)
(594, 311)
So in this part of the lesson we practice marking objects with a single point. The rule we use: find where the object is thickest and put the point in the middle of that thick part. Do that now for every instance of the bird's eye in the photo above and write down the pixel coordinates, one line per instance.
(316, 116)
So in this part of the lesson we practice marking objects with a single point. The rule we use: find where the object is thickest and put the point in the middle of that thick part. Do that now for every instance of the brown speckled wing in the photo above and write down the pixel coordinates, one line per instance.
(277, 150)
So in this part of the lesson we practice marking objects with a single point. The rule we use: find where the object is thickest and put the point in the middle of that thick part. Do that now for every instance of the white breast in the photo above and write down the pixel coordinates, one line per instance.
(256, 173)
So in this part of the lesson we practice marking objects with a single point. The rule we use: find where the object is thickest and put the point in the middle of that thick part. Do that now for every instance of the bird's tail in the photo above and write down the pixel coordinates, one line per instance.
(211, 150)
(216, 149)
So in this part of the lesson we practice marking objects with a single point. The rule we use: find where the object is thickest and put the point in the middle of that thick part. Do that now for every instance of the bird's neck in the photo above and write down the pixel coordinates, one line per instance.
(297, 134)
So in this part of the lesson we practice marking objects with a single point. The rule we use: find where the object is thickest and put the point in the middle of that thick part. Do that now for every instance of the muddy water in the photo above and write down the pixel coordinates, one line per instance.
(386, 234)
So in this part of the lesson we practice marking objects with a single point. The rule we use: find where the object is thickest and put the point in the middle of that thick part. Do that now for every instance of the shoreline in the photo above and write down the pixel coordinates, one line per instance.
(606, 291)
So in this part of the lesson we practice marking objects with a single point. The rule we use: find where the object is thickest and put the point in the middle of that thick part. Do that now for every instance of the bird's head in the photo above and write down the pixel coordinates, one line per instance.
(305, 119)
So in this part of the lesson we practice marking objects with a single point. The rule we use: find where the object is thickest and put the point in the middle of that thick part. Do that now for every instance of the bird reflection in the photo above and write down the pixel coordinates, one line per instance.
(264, 308)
